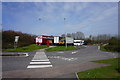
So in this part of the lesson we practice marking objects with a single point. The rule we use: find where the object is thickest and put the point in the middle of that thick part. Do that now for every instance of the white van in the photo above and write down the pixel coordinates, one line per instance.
(78, 42)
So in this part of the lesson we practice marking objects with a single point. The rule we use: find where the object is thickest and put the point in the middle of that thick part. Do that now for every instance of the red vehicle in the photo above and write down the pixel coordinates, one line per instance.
(43, 40)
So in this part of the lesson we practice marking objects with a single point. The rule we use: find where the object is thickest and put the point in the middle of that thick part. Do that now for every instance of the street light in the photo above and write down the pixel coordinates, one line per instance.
(65, 34)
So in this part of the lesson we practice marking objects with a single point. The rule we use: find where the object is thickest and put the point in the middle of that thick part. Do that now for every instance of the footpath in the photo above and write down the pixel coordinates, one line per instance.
(40, 60)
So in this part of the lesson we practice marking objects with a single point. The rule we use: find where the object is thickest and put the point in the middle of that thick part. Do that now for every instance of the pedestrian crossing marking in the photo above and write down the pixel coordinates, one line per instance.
(39, 60)
(39, 66)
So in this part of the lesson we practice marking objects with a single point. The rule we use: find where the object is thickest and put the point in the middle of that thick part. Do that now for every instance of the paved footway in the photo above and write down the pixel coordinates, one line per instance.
(40, 60)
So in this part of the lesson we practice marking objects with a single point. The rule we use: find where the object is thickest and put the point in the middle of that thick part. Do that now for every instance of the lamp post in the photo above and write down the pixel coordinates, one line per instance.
(65, 34)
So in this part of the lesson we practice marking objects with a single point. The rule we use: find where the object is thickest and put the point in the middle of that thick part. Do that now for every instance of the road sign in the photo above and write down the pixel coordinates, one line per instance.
(16, 38)
(69, 40)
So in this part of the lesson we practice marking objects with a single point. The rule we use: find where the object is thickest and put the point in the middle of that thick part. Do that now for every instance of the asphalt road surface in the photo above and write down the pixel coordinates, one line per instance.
(64, 64)
(90, 53)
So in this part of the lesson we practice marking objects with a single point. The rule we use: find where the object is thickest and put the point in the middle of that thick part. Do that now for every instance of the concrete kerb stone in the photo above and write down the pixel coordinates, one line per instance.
(77, 75)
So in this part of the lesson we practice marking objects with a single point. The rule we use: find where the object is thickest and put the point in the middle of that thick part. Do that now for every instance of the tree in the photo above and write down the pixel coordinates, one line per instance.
(90, 37)
(77, 35)
(8, 38)
(113, 45)
(113, 41)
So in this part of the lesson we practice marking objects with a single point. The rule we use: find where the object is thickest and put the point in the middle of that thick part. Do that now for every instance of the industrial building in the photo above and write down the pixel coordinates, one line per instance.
(57, 40)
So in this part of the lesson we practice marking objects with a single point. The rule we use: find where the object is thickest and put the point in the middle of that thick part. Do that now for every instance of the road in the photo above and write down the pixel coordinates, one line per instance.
(90, 53)
(62, 64)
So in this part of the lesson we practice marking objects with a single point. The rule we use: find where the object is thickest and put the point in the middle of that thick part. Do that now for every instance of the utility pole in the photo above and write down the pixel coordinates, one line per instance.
(65, 34)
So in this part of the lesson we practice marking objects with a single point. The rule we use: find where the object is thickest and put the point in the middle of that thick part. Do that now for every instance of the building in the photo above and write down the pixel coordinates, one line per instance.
(57, 40)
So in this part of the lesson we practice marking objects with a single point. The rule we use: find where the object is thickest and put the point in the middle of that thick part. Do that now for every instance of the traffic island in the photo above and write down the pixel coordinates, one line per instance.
(61, 48)
(29, 48)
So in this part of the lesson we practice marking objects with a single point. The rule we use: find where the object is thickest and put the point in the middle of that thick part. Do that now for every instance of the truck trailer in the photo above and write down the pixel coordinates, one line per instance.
(43, 40)
(53, 40)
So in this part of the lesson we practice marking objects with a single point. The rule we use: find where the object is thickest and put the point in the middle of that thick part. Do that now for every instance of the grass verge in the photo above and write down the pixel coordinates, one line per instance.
(61, 48)
(26, 48)
(103, 72)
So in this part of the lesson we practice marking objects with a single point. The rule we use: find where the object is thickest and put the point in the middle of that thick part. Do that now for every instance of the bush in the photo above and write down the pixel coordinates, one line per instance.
(113, 45)
(114, 48)
(8, 38)
(113, 41)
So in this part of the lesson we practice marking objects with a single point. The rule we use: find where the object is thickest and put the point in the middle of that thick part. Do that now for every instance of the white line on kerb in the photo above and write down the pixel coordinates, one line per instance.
(77, 75)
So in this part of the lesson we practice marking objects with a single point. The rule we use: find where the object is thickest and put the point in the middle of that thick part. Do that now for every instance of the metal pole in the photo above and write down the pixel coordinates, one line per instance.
(66, 39)
(65, 34)
(15, 45)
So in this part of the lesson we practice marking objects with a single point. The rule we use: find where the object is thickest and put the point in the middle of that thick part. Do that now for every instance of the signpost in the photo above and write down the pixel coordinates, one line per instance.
(69, 40)
(16, 41)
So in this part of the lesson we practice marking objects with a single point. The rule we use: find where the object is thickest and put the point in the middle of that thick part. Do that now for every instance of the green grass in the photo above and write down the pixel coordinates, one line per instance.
(61, 48)
(26, 48)
(103, 72)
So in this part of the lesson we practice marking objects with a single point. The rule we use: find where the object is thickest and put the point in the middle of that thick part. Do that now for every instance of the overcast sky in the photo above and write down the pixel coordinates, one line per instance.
(91, 18)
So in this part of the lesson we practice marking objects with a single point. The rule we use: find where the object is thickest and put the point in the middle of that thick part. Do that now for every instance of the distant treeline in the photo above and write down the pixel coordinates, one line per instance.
(77, 35)
(8, 38)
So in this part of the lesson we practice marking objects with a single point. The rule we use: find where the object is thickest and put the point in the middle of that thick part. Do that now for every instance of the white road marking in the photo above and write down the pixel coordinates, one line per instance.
(39, 62)
(63, 58)
(39, 66)
(40, 56)
(74, 52)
